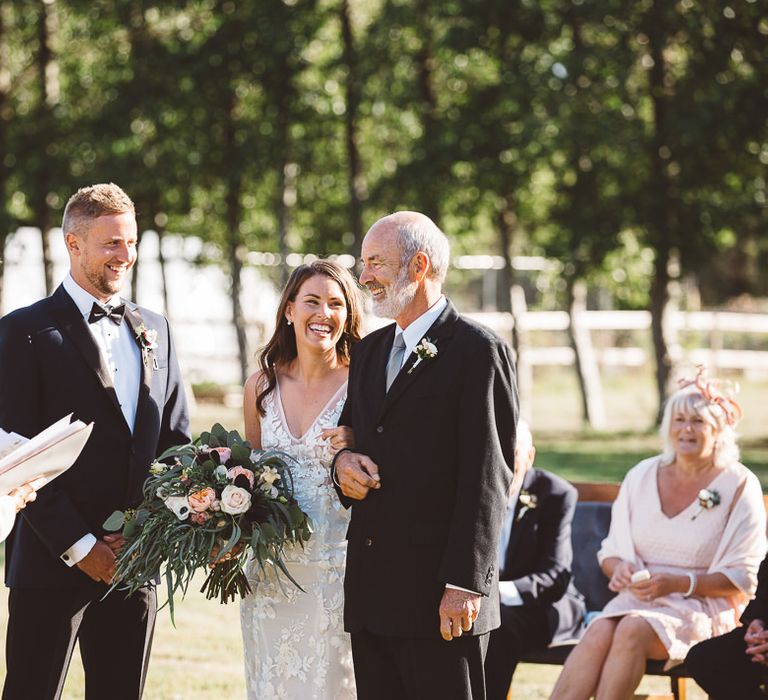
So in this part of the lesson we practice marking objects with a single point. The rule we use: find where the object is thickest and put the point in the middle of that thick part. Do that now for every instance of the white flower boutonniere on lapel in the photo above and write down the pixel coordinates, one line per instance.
(147, 339)
(708, 499)
(528, 501)
(425, 350)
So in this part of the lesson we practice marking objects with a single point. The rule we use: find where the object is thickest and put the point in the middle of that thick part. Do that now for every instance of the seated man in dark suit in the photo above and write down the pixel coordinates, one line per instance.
(735, 665)
(538, 603)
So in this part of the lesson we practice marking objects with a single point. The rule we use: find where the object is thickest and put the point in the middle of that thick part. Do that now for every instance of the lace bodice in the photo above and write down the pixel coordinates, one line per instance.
(312, 483)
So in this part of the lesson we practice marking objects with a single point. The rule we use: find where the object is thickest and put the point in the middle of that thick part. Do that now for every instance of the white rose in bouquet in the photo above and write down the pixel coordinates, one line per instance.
(235, 500)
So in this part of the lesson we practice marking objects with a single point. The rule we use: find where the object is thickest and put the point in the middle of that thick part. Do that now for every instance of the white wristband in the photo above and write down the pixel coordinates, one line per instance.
(692, 584)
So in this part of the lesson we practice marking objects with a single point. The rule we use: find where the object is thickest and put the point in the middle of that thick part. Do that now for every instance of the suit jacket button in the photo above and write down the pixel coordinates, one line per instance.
(368, 542)
(380, 429)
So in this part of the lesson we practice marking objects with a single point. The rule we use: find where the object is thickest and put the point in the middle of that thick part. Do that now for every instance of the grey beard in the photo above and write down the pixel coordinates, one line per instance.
(397, 298)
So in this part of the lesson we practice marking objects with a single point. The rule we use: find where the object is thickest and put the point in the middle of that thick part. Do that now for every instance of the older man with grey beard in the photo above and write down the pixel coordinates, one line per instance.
(433, 405)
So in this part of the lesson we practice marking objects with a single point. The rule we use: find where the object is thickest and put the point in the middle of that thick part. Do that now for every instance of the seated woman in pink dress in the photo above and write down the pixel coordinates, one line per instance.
(686, 539)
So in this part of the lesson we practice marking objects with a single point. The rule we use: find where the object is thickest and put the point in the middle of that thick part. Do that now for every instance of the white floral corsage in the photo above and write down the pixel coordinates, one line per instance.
(425, 350)
(528, 501)
(708, 499)
(147, 338)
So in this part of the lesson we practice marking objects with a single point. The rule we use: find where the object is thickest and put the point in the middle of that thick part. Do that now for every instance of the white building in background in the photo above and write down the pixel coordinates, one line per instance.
(198, 296)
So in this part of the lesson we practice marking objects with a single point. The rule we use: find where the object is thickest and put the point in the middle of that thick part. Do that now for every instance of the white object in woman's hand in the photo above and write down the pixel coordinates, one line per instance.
(642, 575)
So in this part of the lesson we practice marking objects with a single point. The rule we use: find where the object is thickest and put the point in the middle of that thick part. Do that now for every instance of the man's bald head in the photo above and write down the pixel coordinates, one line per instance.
(414, 232)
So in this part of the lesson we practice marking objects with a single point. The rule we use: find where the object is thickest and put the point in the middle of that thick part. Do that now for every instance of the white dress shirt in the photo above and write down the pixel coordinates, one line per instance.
(417, 329)
(508, 593)
(122, 357)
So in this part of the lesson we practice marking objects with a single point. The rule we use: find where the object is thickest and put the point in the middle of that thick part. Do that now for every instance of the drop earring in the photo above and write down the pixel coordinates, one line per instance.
(290, 323)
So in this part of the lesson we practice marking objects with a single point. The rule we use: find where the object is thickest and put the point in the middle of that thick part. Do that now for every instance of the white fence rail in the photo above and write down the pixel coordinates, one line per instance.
(597, 356)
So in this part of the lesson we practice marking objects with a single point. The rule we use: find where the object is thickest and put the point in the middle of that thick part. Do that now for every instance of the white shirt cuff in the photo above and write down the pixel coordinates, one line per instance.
(508, 594)
(79, 550)
(459, 588)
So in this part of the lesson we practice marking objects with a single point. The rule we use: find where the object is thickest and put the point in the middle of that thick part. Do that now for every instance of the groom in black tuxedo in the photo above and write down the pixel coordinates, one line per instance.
(433, 405)
(85, 351)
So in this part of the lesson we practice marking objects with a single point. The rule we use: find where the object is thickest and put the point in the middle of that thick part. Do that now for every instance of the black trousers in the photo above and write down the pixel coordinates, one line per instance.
(723, 669)
(115, 636)
(418, 669)
(523, 629)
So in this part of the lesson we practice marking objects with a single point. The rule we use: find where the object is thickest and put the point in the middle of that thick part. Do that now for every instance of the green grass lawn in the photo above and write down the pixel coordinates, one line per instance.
(201, 657)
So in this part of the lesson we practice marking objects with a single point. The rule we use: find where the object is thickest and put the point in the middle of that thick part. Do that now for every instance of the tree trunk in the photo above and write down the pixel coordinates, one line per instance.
(660, 220)
(163, 271)
(235, 247)
(5, 86)
(48, 84)
(354, 175)
(135, 271)
(585, 362)
(659, 306)
(425, 62)
(507, 224)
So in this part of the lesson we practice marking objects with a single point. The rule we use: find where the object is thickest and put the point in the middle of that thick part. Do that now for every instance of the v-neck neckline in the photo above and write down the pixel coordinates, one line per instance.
(284, 419)
(692, 503)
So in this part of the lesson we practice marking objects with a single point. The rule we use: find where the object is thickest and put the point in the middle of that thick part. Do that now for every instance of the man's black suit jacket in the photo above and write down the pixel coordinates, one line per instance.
(539, 554)
(444, 440)
(51, 366)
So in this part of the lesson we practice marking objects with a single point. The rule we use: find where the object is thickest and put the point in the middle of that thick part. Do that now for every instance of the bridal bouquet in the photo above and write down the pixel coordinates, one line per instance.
(210, 505)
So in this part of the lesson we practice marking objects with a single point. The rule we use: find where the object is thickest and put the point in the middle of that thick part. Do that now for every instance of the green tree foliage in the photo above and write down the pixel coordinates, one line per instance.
(583, 131)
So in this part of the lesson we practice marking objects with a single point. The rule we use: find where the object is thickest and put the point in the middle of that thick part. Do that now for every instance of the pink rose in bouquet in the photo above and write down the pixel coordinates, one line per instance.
(202, 500)
(224, 453)
(234, 472)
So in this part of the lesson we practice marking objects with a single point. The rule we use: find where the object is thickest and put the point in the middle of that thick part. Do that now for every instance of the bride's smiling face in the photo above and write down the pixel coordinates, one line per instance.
(318, 314)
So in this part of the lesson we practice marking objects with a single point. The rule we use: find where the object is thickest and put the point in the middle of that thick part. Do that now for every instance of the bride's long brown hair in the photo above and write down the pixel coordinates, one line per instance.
(281, 347)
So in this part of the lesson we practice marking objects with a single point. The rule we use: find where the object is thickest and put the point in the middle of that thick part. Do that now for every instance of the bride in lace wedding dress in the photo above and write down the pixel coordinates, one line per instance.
(294, 641)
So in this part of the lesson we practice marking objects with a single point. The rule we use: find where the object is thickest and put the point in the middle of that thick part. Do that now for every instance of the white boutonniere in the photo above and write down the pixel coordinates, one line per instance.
(528, 501)
(708, 499)
(425, 350)
(147, 339)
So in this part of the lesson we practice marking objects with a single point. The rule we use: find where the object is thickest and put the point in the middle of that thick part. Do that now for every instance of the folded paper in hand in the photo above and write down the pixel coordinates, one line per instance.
(46, 455)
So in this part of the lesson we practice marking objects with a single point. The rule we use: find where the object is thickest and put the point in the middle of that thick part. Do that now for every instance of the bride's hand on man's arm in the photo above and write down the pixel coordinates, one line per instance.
(339, 438)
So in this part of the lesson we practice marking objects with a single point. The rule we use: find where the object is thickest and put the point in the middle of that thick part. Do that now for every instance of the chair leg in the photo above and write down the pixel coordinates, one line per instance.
(678, 688)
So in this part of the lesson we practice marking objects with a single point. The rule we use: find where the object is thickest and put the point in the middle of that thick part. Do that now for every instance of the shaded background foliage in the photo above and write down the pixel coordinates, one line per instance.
(588, 131)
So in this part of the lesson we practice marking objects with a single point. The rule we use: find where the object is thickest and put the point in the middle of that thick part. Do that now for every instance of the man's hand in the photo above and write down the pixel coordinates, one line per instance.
(339, 438)
(357, 475)
(115, 542)
(99, 563)
(756, 639)
(458, 612)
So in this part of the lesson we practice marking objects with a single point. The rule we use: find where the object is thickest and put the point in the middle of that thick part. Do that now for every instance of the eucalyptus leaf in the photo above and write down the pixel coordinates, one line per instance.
(115, 521)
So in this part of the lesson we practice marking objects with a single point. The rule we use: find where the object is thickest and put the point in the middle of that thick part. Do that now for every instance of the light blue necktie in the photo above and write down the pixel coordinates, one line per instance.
(395, 359)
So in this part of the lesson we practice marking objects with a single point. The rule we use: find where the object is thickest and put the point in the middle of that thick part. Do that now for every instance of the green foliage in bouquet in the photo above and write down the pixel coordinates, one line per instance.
(211, 505)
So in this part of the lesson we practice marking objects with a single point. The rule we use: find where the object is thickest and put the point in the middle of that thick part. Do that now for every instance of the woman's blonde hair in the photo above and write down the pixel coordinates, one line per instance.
(690, 401)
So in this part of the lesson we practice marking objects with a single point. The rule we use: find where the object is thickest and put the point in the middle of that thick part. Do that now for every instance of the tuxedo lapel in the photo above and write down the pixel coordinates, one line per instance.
(134, 320)
(75, 327)
(439, 334)
(520, 524)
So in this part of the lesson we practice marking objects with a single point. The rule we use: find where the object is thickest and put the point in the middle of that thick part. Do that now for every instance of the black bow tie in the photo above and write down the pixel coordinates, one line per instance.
(113, 313)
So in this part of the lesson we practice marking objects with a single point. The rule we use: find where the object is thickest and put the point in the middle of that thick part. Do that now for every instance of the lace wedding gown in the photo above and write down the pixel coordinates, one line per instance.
(295, 644)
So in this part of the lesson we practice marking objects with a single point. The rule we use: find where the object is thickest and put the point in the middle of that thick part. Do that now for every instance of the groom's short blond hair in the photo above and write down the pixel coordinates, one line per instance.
(91, 202)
